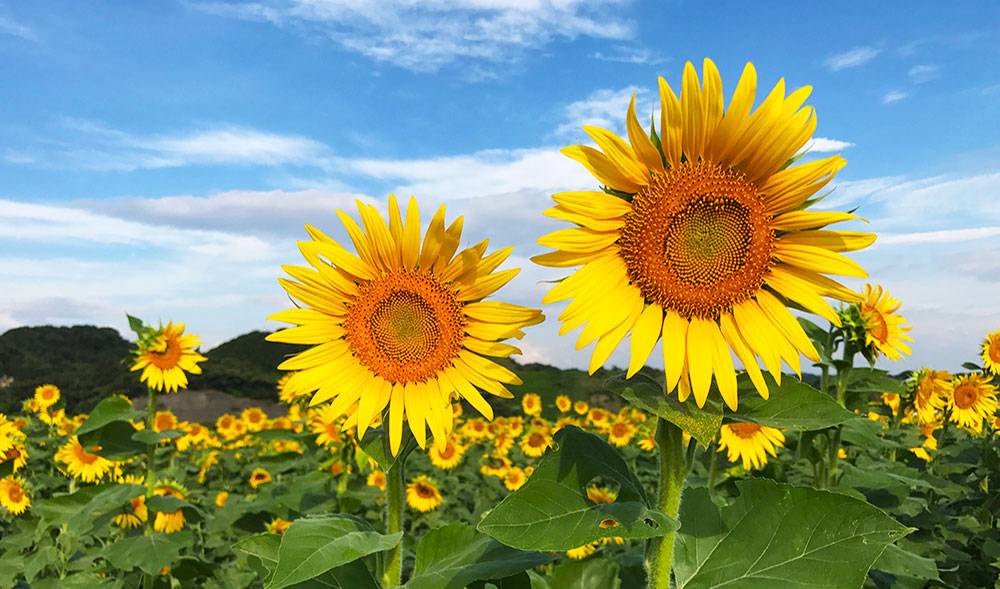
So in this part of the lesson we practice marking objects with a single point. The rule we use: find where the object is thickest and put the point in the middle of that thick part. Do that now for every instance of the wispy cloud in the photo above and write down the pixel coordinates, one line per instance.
(827, 145)
(9, 26)
(424, 36)
(633, 55)
(923, 73)
(855, 57)
(943, 236)
(605, 108)
(894, 96)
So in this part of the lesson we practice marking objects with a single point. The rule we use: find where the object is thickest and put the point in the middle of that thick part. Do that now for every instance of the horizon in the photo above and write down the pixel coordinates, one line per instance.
(199, 138)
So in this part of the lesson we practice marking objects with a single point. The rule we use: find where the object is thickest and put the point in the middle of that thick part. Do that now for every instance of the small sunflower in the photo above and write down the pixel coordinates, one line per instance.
(531, 404)
(46, 396)
(564, 404)
(750, 442)
(514, 479)
(166, 357)
(402, 324)
(702, 237)
(229, 426)
(973, 399)
(259, 477)
(535, 442)
(621, 433)
(254, 418)
(930, 393)
(446, 458)
(422, 494)
(581, 408)
(164, 420)
(376, 478)
(582, 552)
(278, 526)
(82, 463)
(885, 329)
(136, 513)
(495, 465)
(991, 352)
(475, 430)
(221, 498)
(326, 424)
(169, 522)
(16, 455)
(647, 442)
(13, 496)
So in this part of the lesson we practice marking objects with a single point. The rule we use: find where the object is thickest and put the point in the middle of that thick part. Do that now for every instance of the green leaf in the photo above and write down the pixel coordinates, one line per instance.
(135, 324)
(113, 409)
(87, 508)
(167, 504)
(373, 444)
(552, 512)
(586, 574)
(456, 555)
(777, 536)
(262, 552)
(903, 563)
(150, 438)
(313, 546)
(702, 423)
(148, 553)
(114, 441)
(873, 380)
(792, 406)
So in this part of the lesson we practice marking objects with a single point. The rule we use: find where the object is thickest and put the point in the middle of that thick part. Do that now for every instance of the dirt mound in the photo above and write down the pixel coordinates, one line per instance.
(205, 406)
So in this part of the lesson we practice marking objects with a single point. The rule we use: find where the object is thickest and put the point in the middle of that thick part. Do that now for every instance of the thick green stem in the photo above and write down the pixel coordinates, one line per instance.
(660, 551)
(394, 487)
(147, 579)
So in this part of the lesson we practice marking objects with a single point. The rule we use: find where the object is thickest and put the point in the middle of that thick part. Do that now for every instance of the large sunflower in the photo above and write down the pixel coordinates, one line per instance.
(403, 323)
(750, 443)
(166, 357)
(702, 236)
(973, 399)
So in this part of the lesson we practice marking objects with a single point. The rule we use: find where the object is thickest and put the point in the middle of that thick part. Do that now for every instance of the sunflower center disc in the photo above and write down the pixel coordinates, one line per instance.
(698, 240)
(744, 430)
(995, 350)
(405, 327)
(965, 396)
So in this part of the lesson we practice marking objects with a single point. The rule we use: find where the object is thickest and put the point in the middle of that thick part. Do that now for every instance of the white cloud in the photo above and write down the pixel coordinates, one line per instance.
(855, 57)
(424, 36)
(9, 26)
(826, 145)
(893, 96)
(922, 73)
(631, 55)
(606, 108)
(942, 236)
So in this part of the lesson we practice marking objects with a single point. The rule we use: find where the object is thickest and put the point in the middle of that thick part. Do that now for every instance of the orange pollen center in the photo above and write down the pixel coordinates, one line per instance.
(619, 430)
(424, 491)
(86, 457)
(536, 440)
(744, 430)
(168, 356)
(16, 493)
(405, 326)
(995, 349)
(12, 454)
(966, 396)
(448, 452)
(698, 240)
(875, 323)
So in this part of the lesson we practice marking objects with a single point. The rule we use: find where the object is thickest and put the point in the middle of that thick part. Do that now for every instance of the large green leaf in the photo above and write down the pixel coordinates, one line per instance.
(775, 536)
(111, 409)
(586, 574)
(262, 549)
(456, 555)
(148, 553)
(702, 423)
(114, 441)
(87, 508)
(792, 406)
(899, 562)
(313, 546)
(552, 512)
(873, 380)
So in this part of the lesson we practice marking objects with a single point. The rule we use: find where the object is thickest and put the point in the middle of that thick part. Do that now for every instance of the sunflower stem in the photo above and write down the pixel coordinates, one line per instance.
(147, 579)
(393, 575)
(660, 551)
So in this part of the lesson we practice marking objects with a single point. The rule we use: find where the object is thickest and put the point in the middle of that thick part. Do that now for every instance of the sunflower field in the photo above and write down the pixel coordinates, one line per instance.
(769, 452)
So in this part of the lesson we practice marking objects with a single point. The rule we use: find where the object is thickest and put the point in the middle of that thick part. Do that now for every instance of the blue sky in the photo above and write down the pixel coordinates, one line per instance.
(161, 158)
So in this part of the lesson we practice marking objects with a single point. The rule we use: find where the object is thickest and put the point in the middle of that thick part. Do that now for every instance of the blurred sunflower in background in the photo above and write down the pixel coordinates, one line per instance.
(135, 513)
(531, 404)
(701, 236)
(972, 400)
(564, 404)
(169, 522)
(82, 463)
(259, 477)
(885, 329)
(750, 443)
(422, 494)
(930, 393)
(376, 478)
(991, 353)
(448, 457)
(13, 496)
(46, 396)
(165, 356)
(402, 323)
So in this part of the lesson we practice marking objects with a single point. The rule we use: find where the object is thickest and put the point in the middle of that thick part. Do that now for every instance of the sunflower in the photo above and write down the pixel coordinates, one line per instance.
(750, 442)
(621, 433)
(229, 426)
(422, 494)
(582, 552)
(495, 465)
(16, 455)
(166, 357)
(221, 498)
(259, 477)
(702, 237)
(448, 457)
(164, 420)
(535, 442)
(972, 399)
(46, 396)
(503, 443)
(254, 418)
(991, 352)
(885, 329)
(599, 419)
(278, 526)
(647, 442)
(475, 430)
(531, 404)
(169, 522)
(376, 479)
(81, 463)
(13, 496)
(136, 513)
(514, 479)
(326, 424)
(930, 393)
(564, 404)
(401, 324)
(581, 408)
(891, 400)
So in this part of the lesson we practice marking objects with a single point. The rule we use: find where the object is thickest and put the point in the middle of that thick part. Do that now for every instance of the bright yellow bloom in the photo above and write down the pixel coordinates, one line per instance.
(376, 478)
(750, 442)
(447, 458)
(931, 391)
(401, 324)
(972, 399)
(495, 465)
(891, 400)
(514, 479)
(324, 421)
(564, 404)
(991, 352)
(422, 494)
(581, 407)
(599, 494)
(599, 418)
(647, 443)
(582, 552)
(81, 463)
(16, 455)
(229, 426)
(503, 443)
(259, 477)
(884, 328)
(164, 420)
(13, 497)
(254, 418)
(278, 526)
(136, 513)
(170, 521)
(475, 430)
(535, 442)
(700, 241)
(195, 435)
(531, 404)
(46, 396)
(168, 357)
(221, 498)
(621, 433)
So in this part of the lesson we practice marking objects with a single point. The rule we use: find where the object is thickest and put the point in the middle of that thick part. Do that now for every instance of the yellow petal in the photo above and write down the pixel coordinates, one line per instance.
(675, 328)
(396, 418)
(415, 399)
(602, 168)
(817, 259)
(645, 334)
(643, 147)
